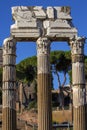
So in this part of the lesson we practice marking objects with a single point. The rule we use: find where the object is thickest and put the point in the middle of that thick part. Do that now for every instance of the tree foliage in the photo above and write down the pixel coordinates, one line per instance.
(60, 62)
(26, 69)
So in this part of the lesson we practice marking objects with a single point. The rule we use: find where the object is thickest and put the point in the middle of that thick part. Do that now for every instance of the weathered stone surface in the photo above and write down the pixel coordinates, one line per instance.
(59, 23)
(44, 102)
(51, 22)
(1, 58)
(78, 82)
(78, 77)
(78, 96)
(77, 58)
(26, 34)
(50, 12)
(9, 85)
(44, 84)
(77, 45)
(79, 122)
(10, 123)
(22, 13)
(78, 73)
(63, 12)
(60, 33)
(43, 54)
(27, 13)
(39, 12)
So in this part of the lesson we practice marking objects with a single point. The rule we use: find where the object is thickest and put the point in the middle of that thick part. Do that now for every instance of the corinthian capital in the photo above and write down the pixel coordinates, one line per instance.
(77, 45)
(43, 46)
(9, 46)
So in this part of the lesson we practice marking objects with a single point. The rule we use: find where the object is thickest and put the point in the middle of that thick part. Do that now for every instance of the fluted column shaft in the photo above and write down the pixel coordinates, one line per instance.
(44, 85)
(78, 82)
(9, 86)
(21, 95)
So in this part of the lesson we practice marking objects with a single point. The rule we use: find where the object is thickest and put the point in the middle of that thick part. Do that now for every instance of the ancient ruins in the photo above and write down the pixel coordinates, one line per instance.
(43, 26)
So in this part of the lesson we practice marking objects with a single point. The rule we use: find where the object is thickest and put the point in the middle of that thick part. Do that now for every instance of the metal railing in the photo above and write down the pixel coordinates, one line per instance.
(63, 126)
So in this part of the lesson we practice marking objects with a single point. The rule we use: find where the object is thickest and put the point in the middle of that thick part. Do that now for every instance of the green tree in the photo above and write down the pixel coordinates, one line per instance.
(26, 70)
(86, 68)
(61, 63)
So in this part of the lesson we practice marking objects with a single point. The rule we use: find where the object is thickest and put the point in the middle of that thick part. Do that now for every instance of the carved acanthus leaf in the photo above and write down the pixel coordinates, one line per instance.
(77, 45)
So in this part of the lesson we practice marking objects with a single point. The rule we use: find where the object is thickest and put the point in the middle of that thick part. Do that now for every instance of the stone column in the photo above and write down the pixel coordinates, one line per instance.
(78, 82)
(9, 85)
(44, 84)
(21, 95)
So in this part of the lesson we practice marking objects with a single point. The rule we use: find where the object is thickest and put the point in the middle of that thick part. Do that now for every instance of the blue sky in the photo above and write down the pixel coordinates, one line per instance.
(78, 13)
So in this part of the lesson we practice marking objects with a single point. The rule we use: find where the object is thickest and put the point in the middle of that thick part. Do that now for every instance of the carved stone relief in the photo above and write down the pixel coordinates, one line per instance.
(43, 46)
(77, 45)
(50, 22)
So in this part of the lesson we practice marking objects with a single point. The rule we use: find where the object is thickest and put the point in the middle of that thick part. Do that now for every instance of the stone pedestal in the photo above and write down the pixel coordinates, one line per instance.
(9, 86)
(78, 81)
(44, 85)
